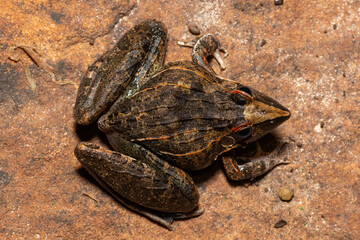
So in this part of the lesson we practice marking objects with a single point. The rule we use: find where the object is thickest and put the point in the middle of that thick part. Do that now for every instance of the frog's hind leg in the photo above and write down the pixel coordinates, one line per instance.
(205, 46)
(121, 71)
(143, 183)
(166, 222)
(161, 218)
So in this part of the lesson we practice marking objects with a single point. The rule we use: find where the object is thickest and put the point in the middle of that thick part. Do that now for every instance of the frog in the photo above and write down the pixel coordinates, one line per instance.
(164, 121)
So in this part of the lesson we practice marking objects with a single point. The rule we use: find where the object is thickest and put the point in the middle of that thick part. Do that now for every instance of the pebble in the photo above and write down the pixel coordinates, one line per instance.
(194, 29)
(285, 194)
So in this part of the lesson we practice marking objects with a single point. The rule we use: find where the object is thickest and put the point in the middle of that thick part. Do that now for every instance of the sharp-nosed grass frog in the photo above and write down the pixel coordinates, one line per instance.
(165, 120)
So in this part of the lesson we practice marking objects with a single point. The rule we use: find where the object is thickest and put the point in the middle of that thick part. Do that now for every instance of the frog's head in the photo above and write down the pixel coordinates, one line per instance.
(261, 113)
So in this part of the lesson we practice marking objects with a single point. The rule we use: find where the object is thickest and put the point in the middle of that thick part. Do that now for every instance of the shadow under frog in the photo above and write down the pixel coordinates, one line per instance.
(165, 120)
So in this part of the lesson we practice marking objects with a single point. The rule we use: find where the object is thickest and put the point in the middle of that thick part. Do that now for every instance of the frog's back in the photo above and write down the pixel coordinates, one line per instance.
(179, 114)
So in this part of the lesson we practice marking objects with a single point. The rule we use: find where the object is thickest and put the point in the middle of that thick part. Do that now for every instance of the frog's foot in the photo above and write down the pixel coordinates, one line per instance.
(254, 168)
(218, 58)
(166, 219)
(203, 47)
(195, 213)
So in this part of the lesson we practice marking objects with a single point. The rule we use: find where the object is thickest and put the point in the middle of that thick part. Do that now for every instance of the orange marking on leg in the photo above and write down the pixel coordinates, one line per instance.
(233, 165)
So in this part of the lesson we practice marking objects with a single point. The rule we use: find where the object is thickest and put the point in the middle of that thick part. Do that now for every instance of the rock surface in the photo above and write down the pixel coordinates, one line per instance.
(305, 54)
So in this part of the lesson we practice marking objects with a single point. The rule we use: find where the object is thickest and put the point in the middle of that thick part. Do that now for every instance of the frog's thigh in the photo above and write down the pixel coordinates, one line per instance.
(156, 186)
(249, 170)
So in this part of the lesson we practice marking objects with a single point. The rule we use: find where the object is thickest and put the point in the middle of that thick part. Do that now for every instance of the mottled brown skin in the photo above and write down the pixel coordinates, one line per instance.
(145, 169)
(255, 158)
(140, 51)
(161, 119)
(180, 114)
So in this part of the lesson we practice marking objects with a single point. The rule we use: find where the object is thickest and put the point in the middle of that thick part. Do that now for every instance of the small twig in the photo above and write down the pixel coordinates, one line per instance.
(85, 194)
(36, 57)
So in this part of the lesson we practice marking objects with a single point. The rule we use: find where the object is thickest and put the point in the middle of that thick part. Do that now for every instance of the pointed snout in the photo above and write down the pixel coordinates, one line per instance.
(265, 113)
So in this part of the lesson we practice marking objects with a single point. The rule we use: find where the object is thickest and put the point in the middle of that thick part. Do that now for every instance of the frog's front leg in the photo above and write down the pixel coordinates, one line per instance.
(254, 168)
(143, 185)
(207, 45)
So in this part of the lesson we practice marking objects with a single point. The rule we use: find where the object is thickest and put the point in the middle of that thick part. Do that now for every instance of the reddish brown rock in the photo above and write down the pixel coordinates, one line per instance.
(307, 64)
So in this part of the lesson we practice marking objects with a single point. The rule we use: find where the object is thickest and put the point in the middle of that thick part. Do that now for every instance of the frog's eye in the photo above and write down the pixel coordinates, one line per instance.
(246, 90)
(244, 133)
(243, 93)
(243, 130)
(238, 98)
